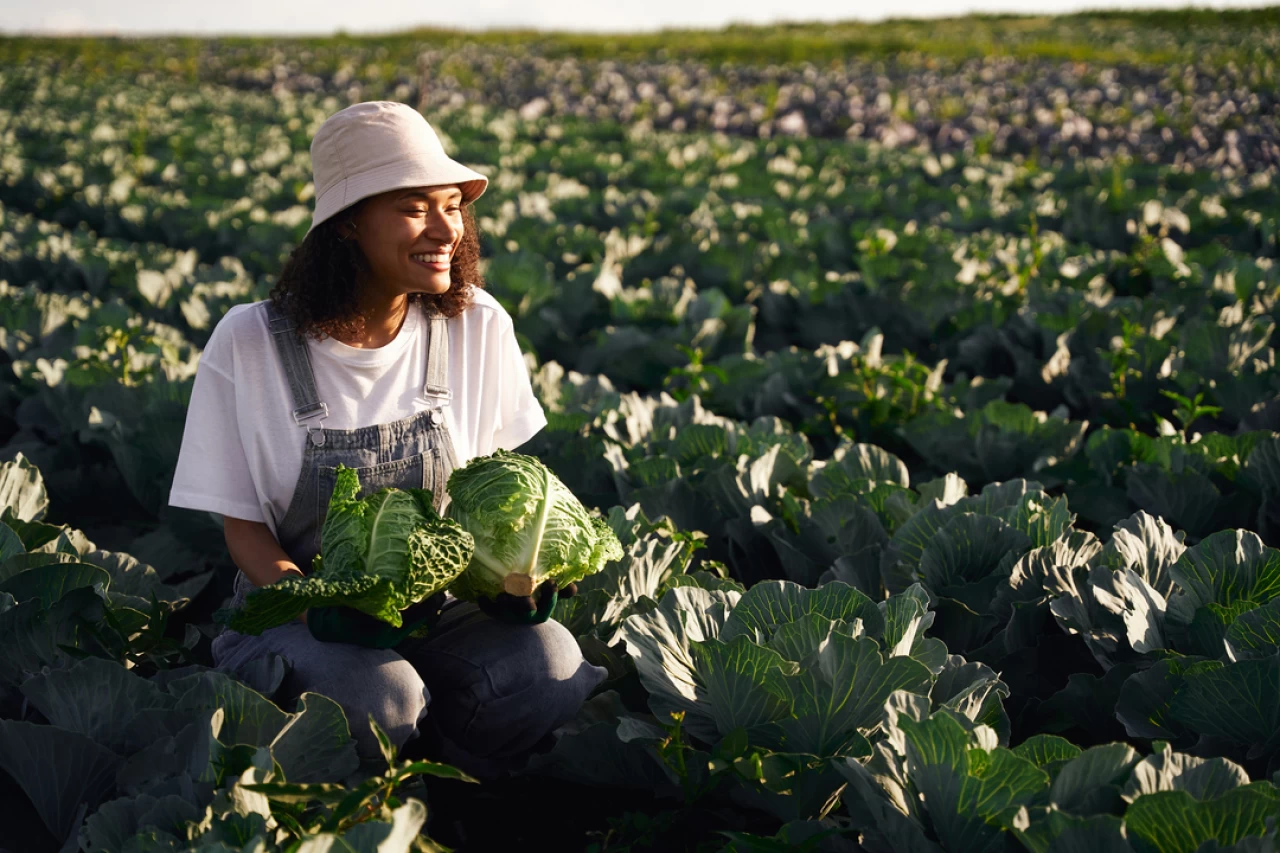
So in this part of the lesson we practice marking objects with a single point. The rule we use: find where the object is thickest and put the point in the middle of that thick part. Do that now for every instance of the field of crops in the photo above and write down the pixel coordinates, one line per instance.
(926, 372)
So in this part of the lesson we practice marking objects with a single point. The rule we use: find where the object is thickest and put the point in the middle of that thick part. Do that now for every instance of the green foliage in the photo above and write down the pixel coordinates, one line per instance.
(379, 554)
(524, 522)
(939, 448)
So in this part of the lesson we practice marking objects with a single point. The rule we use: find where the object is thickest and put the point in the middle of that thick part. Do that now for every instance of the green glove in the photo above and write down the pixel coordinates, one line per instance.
(347, 625)
(528, 610)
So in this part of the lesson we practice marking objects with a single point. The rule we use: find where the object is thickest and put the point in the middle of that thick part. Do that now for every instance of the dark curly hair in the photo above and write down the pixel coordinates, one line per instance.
(317, 286)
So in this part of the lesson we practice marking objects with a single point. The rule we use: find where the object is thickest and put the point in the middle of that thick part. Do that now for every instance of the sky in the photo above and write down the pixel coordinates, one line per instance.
(295, 17)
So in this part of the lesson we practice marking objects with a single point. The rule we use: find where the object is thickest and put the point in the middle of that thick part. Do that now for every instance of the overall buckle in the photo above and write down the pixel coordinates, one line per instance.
(320, 411)
(306, 413)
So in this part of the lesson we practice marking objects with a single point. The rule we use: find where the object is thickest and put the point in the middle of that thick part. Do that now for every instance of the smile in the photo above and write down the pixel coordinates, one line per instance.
(432, 264)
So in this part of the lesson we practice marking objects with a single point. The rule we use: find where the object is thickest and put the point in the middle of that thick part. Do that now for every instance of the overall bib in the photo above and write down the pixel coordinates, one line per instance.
(497, 688)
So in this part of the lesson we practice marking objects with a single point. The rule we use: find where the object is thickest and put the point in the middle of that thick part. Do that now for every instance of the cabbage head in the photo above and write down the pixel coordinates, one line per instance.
(528, 527)
(378, 554)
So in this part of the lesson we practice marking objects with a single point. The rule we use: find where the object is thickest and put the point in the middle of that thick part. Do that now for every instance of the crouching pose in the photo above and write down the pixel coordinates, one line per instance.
(378, 349)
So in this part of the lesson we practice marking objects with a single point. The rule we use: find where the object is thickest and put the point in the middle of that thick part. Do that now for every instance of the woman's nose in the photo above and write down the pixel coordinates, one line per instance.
(439, 228)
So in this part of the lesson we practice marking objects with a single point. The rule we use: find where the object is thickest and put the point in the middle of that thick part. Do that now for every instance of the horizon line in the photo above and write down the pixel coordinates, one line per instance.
(489, 29)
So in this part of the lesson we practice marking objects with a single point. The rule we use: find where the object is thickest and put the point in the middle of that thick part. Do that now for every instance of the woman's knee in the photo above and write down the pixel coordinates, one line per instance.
(542, 660)
(504, 687)
(558, 650)
(568, 678)
(391, 692)
(363, 681)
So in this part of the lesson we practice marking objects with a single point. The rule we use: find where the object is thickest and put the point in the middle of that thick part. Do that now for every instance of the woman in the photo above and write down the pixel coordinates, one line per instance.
(378, 350)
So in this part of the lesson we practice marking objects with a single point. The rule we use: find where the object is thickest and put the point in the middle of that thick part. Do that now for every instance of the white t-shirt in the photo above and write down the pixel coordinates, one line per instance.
(242, 451)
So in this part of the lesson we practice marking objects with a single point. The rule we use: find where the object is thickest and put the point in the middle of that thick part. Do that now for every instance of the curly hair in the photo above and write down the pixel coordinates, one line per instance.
(317, 287)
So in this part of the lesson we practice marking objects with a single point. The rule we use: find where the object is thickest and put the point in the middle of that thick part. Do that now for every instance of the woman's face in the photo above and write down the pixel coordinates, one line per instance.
(408, 236)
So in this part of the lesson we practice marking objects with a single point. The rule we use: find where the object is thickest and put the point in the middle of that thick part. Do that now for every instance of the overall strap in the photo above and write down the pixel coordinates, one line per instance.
(297, 368)
(437, 384)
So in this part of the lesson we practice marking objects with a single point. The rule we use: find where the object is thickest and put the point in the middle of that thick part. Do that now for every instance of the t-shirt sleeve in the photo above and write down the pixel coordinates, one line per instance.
(213, 469)
(520, 415)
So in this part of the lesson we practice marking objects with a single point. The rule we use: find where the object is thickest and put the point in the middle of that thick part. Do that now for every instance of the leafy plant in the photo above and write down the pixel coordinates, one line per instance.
(368, 811)
(527, 527)
(378, 554)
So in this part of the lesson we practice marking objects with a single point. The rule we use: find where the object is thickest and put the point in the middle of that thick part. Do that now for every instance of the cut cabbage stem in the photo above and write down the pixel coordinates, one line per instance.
(518, 585)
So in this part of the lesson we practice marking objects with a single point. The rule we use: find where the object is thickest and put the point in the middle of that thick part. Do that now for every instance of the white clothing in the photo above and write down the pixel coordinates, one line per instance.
(242, 451)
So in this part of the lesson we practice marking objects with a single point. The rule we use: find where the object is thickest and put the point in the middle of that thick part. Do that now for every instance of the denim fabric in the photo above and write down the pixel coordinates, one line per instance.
(493, 689)
(361, 680)
(497, 688)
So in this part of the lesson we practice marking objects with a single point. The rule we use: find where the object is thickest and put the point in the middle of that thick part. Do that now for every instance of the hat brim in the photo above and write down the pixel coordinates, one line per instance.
(394, 176)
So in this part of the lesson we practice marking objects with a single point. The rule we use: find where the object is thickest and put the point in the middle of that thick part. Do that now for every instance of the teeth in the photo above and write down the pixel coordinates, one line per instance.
(432, 259)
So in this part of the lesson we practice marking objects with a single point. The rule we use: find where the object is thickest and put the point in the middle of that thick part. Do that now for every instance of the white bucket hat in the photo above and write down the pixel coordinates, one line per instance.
(375, 146)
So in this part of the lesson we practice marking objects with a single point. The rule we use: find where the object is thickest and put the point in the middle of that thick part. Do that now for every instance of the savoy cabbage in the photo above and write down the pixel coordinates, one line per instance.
(378, 554)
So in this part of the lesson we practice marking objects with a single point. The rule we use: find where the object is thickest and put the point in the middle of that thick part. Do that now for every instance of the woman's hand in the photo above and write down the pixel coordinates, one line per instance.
(340, 624)
(527, 610)
(258, 555)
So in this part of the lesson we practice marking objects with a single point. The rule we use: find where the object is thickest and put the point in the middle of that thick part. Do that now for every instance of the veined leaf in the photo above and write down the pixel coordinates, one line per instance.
(965, 787)
(766, 606)
(1238, 701)
(1176, 822)
(745, 683)
(97, 698)
(844, 693)
(1167, 770)
(660, 642)
(1255, 633)
(1049, 830)
(1230, 569)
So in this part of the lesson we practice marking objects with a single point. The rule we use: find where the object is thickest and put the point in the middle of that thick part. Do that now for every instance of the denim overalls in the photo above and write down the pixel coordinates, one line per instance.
(497, 688)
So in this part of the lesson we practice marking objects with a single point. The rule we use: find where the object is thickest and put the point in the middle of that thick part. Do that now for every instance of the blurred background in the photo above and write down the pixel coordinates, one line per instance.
(324, 17)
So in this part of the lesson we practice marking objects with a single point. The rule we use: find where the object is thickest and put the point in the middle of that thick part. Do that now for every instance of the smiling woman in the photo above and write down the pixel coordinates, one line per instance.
(353, 277)
(379, 350)
(385, 191)
(408, 239)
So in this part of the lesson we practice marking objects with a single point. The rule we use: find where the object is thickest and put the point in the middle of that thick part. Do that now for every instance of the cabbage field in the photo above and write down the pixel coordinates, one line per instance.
(926, 372)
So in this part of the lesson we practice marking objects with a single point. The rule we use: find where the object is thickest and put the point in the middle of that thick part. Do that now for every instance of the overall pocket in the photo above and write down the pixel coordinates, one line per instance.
(416, 471)
(436, 470)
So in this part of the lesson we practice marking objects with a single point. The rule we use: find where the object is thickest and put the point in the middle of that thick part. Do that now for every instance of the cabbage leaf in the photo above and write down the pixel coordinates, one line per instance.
(378, 554)
(528, 527)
